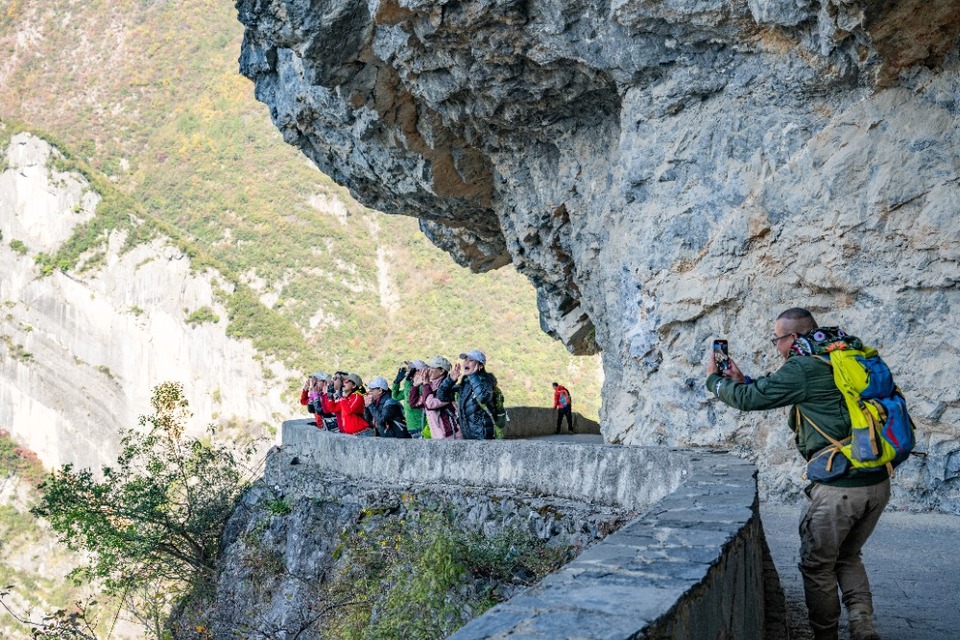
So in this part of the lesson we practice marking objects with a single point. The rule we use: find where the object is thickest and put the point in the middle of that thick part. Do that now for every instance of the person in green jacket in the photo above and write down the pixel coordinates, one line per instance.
(401, 393)
(840, 514)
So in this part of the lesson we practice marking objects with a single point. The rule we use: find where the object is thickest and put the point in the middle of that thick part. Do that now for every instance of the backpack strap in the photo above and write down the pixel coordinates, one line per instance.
(836, 443)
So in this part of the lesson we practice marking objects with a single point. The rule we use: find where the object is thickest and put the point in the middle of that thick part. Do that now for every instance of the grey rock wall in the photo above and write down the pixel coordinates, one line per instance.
(663, 172)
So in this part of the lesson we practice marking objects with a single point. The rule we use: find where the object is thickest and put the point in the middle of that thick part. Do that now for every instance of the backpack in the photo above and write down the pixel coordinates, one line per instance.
(496, 408)
(881, 431)
(564, 399)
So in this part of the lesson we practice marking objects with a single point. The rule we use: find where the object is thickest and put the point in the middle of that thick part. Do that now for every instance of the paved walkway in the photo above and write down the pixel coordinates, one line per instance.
(912, 559)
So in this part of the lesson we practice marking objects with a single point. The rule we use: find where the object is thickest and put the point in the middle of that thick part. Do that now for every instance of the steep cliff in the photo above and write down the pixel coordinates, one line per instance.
(662, 172)
(82, 349)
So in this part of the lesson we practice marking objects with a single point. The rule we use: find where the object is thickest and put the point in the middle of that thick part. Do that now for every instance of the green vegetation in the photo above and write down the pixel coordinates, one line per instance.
(422, 577)
(151, 528)
(203, 315)
(16, 351)
(19, 247)
(24, 543)
(279, 507)
(19, 462)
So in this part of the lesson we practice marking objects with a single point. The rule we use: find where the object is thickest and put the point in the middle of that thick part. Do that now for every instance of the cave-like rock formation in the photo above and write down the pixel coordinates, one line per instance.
(662, 171)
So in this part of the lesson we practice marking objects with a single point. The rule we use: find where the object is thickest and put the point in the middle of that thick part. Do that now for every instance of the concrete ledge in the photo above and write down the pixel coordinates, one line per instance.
(690, 567)
(629, 477)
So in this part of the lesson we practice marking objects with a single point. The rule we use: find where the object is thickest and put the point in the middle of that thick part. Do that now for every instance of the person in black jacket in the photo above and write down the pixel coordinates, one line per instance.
(383, 412)
(474, 393)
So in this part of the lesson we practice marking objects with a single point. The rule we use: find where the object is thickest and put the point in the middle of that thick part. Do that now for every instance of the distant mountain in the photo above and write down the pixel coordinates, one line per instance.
(83, 347)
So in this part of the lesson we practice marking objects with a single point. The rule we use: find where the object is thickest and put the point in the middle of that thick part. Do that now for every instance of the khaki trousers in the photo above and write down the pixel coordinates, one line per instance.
(836, 524)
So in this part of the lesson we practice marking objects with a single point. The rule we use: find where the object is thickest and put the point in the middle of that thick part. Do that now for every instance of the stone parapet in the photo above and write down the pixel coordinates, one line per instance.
(611, 475)
(692, 566)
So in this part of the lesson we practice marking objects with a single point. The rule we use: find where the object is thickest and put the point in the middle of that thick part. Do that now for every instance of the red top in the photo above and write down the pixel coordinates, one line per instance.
(349, 412)
(556, 396)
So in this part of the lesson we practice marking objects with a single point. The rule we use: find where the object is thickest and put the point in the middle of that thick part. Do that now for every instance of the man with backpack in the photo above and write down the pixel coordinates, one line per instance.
(563, 403)
(844, 502)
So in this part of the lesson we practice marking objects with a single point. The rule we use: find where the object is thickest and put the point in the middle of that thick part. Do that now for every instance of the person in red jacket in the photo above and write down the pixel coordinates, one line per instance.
(563, 402)
(349, 407)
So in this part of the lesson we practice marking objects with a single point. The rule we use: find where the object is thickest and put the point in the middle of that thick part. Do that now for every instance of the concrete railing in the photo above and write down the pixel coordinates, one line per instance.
(692, 566)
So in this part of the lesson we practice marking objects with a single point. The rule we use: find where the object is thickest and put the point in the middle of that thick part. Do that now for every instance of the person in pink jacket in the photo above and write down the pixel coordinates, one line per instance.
(441, 416)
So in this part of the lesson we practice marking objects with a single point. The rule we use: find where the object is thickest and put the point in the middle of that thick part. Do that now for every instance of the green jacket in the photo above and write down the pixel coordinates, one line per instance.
(414, 416)
(807, 384)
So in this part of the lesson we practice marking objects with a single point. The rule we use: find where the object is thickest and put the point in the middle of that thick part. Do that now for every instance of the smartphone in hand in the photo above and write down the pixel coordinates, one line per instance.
(721, 354)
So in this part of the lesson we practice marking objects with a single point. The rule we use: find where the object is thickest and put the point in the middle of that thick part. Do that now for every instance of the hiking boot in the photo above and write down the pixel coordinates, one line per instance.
(861, 624)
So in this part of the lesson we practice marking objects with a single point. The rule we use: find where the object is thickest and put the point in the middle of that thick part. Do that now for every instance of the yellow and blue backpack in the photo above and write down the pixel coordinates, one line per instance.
(881, 431)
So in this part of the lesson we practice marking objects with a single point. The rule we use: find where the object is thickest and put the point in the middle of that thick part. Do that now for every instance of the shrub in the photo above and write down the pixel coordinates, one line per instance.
(19, 247)
(421, 577)
(203, 315)
(151, 527)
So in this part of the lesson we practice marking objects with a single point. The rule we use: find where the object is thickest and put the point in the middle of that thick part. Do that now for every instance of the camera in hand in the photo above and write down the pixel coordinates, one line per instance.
(721, 354)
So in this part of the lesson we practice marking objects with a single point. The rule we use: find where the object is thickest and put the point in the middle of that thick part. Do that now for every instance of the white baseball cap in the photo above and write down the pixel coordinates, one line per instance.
(379, 383)
(476, 354)
(439, 362)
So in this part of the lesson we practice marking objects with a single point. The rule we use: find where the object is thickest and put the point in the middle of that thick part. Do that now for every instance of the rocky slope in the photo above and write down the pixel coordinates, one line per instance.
(81, 350)
(663, 172)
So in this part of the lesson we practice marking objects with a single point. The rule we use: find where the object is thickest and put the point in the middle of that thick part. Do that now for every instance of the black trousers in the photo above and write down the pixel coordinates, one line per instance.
(568, 412)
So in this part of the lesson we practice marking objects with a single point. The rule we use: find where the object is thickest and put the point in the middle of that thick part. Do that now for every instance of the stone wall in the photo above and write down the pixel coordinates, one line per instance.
(691, 566)
(525, 422)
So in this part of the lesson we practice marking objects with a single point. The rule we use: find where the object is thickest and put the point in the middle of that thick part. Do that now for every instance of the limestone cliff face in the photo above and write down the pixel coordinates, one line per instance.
(663, 172)
(81, 352)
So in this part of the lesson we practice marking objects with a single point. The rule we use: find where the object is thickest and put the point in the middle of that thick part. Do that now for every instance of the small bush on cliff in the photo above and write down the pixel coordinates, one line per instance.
(151, 527)
(203, 315)
(421, 577)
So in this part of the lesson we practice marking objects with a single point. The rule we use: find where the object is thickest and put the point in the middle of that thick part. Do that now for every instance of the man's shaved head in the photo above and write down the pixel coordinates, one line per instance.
(797, 320)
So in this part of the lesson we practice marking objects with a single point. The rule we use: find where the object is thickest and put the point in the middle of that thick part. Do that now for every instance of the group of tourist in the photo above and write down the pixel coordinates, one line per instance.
(433, 399)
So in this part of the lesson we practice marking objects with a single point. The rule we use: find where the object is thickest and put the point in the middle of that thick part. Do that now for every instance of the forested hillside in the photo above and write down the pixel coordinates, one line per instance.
(149, 95)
